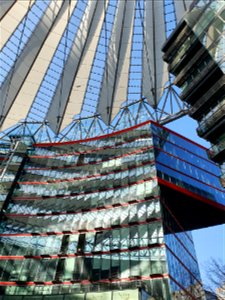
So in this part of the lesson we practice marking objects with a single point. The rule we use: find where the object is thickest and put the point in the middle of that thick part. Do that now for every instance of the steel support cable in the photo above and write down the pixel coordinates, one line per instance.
(64, 62)
(106, 61)
(171, 93)
(14, 65)
(145, 44)
(154, 87)
(124, 112)
(118, 58)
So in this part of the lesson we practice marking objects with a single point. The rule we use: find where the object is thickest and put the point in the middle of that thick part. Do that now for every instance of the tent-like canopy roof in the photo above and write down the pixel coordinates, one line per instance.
(87, 57)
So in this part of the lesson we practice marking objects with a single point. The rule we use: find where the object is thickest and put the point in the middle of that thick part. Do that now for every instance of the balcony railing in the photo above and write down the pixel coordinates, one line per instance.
(210, 68)
(209, 121)
(216, 149)
(217, 86)
(222, 180)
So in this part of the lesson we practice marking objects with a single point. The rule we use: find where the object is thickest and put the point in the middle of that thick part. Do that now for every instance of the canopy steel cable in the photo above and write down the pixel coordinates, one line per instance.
(145, 45)
(154, 88)
(118, 57)
(14, 65)
(130, 58)
(64, 62)
(166, 29)
(106, 62)
(170, 75)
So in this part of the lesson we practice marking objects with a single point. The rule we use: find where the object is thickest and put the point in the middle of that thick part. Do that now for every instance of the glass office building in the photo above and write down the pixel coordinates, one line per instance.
(87, 215)
(107, 217)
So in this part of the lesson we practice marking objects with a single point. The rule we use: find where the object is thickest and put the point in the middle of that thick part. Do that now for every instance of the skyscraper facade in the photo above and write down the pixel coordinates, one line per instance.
(196, 56)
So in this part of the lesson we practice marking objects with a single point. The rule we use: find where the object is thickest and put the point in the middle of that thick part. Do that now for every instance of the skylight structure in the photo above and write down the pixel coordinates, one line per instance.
(76, 59)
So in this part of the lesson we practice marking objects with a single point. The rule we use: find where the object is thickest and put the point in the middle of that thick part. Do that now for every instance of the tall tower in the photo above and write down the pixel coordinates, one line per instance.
(196, 56)
(97, 201)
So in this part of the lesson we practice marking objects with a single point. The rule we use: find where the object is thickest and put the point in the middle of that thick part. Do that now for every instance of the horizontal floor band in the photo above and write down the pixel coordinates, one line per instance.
(143, 149)
(189, 193)
(83, 282)
(82, 231)
(185, 174)
(93, 150)
(105, 207)
(144, 163)
(34, 198)
(81, 254)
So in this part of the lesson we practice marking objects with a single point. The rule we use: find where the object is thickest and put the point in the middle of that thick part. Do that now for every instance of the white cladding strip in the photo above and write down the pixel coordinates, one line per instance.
(32, 64)
(13, 18)
(111, 67)
(5, 6)
(181, 7)
(77, 94)
(59, 101)
(155, 73)
(122, 79)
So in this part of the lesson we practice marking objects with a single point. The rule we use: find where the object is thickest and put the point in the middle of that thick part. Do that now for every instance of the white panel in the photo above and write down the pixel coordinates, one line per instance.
(13, 18)
(30, 71)
(81, 81)
(5, 6)
(107, 90)
(64, 86)
(181, 7)
(121, 85)
(155, 72)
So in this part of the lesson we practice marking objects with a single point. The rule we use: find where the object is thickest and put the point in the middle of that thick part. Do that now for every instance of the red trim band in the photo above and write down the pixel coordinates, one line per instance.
(185, 149)
(83, 282)
(95, 149)
(88, 254)
(81, 231)
(85, 177)
(176, 221)
(190, 194)
(179, 240)
(117, 133)
(93, 162)
(183, 265)
(105, 207)
(92, 138)
(81, 193)
(182, 287)
(189, 163)
(167, 166)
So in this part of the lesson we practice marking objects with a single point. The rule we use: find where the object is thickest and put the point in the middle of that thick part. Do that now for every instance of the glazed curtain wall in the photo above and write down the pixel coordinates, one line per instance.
(186, 164)
(85, 216)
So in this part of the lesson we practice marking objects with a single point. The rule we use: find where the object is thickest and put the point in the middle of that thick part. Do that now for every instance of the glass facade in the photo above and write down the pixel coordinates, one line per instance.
(186, 164)
(89, 219)
(196, 56)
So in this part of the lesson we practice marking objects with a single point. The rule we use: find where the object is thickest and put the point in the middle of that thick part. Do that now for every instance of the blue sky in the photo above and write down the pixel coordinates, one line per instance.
(209, 242)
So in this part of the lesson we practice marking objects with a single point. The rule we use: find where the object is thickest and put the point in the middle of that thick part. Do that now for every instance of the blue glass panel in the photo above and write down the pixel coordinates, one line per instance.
(191, 184)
